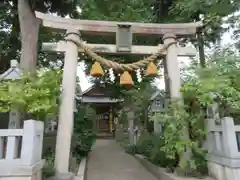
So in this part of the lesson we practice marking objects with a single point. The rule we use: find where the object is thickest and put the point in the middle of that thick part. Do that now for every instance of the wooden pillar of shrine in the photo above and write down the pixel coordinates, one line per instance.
(65, 122)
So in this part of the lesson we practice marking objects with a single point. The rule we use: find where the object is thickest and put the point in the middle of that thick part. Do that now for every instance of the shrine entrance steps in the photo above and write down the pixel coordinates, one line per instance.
(105, 134)
(108, 161)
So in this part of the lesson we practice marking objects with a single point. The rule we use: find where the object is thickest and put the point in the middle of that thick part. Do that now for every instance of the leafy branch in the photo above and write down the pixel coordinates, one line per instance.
(35, 95)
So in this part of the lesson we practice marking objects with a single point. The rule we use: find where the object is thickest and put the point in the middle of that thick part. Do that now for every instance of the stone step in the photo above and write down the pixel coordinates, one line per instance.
(104, 135)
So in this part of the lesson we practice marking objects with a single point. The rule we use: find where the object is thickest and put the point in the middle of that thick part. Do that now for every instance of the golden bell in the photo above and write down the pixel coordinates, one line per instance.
(96, 70)
(151, 70)
(126, 79)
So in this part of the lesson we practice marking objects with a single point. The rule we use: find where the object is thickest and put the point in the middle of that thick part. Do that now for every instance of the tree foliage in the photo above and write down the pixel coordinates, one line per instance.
(221, 77)
(201, 86)
(83, 135)
(211, 12)
(10, 28)
(139, 100)
(36, 95)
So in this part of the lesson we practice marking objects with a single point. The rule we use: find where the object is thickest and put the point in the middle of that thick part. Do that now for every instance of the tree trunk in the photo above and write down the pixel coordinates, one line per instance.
(166, 79)
(201, 49)
(11, 39)
(14, 35)
(29, 28)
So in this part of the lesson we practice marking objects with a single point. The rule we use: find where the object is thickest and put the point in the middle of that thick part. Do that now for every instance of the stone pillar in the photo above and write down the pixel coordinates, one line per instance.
(15, 123)
(14, 119)
(173, 69)
(229, 138)
(157, 126)
(130, 116)
(111, 120)
(65, 122)
(166, 79)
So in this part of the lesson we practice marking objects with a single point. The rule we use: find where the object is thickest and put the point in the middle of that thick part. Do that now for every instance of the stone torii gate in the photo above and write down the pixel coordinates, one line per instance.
(78, 28)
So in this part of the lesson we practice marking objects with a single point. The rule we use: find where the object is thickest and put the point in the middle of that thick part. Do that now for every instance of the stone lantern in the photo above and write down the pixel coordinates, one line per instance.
(14, 116)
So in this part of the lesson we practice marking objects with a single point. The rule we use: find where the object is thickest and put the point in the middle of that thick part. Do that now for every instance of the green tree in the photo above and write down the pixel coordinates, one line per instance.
(220, 78)
(9, 29)
(233, 21)
(138, 101)
(38, 96)
(83, 135)
(211, 12)
(20, 29)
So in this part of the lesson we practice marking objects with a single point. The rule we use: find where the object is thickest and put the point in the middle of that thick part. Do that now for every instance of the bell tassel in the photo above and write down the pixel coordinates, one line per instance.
(151, 70)
(96, 70)
(126, 79)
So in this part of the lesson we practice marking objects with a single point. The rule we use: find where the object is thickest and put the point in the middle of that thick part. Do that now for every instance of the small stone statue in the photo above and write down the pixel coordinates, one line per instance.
(213, 113)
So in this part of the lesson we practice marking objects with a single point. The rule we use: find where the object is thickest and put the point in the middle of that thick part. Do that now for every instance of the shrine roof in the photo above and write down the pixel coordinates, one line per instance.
(156, 94)
(97, 94)
(12, 73)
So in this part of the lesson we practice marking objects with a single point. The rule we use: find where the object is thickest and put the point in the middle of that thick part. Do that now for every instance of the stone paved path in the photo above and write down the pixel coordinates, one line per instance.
(108, 161)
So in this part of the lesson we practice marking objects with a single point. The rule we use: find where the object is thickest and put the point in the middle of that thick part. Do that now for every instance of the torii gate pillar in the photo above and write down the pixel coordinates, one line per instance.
(66, 118)
(172, 66)
(175, 82)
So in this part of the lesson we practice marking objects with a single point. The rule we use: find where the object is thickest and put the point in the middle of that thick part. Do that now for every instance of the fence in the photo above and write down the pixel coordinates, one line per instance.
(21, 147)
(224, 148)
(226, 138)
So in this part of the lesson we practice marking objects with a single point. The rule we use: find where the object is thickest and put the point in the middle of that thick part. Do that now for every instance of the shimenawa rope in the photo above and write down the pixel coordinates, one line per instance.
(118, 66)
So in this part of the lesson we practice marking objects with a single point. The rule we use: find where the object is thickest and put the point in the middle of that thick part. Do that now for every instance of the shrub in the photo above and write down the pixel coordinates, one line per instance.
(145, 145)
(160, 158)
(150, 147)
(201, 162)
(131, 149)
(83, 135)
(48, 168)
